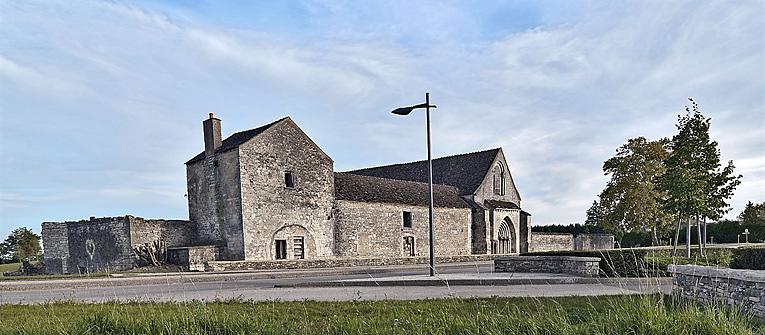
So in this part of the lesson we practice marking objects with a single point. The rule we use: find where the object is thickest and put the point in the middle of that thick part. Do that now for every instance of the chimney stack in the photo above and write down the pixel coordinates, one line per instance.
(213, 139)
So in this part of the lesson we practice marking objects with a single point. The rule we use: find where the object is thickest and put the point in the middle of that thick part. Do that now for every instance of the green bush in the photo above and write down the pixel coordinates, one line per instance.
(727, 232)
(748, 258)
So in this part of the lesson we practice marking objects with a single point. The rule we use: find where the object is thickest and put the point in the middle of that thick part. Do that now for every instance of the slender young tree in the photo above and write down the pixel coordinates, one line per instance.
(694, 183)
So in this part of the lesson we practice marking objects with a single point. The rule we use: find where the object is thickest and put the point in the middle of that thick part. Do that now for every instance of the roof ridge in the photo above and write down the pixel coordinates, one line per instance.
(423, 160)
(226, 143)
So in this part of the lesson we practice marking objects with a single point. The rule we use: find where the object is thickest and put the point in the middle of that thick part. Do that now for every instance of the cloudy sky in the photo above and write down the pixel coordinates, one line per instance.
(101, 102)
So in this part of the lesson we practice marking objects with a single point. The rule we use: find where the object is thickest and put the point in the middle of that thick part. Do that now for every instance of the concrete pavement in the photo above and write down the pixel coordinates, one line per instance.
(310, 285)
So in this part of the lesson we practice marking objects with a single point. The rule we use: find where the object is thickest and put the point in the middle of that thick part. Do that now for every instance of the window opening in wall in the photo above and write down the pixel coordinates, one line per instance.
(298, 248)
(409, 245)
(281, 249)
(498, 179)
(407, 219)
(289, 179)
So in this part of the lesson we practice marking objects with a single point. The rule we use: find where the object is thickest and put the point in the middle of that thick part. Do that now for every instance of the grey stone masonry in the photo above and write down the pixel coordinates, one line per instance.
(105, 244)
(744, 289)
(551, 242)
(580, 266)
(338, 262)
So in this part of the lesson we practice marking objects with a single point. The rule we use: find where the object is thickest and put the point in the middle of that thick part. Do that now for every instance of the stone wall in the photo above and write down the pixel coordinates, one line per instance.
(174, 233)
(551, 242)
(270, 208)
(193, 258)
(213, 189)
(593, 241)
(580, 266)
(98, 244)
(105, 244)
(338, 262)
(744, 289)
(376, 230)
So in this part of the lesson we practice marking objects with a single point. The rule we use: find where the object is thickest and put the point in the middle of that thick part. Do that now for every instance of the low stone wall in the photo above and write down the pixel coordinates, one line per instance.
(337, 262)
(580, 266)
(742, 288)
(193, 258)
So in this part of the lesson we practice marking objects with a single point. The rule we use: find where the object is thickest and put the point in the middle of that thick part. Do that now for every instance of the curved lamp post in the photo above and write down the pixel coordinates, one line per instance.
(403, 111)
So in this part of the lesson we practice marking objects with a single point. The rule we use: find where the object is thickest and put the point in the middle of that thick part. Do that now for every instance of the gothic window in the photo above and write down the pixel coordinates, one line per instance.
(289, 180)
(498, 179)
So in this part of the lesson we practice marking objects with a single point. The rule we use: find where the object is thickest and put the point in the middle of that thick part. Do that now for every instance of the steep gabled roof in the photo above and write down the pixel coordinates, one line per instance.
(354, 187)
(465, 171)
(237, 139)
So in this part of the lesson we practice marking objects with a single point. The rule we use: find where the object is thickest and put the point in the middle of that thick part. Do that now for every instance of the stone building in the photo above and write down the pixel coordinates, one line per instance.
(271, 193)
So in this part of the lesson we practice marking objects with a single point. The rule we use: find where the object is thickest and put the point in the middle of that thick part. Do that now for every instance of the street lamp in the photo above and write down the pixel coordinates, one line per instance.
(405, 111)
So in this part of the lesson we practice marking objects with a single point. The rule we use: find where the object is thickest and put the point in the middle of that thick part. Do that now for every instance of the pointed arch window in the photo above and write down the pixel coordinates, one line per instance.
(498, 179)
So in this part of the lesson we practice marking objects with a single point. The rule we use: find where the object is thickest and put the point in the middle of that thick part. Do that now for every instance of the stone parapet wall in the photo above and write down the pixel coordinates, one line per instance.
(580, 266)
(744, 289)
(174, 233)
(593, 241)
(551, 242)
(338, 262)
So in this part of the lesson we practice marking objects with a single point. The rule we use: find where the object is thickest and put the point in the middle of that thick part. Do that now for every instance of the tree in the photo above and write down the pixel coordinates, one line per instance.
(753, 214)
(694, 185)
(631, 200)
(594, 214)
(21, 244)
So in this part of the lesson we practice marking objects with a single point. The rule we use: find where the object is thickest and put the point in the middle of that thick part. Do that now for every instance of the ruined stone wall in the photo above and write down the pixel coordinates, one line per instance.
(174, 233)
(593, 241)
(376, 230)
(270, 208)
(580, 266)
(214, 196)
(55, 239)
(551, 242)
(98, 244)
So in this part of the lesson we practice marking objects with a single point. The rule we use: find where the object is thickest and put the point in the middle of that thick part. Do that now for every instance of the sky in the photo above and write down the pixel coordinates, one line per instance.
(101, 102)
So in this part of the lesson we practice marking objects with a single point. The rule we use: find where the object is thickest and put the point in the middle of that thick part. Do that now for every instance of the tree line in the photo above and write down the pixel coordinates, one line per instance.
(660, 186)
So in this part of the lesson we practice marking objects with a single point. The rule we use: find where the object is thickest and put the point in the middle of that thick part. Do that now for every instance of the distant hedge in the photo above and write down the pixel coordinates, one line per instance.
(727, 232)
(574, 229)
(748, 258)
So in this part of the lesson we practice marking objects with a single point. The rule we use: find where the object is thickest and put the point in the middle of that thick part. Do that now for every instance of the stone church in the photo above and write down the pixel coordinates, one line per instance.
(271, 193)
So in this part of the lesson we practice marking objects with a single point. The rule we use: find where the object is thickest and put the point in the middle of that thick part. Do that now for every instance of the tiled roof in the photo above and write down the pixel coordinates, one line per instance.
(235, 140)
(355, 187)
(465, 171)
(501, 204)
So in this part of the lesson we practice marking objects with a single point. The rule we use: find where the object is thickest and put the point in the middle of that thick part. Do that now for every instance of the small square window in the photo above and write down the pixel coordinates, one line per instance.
(289, 180)
(407, 219)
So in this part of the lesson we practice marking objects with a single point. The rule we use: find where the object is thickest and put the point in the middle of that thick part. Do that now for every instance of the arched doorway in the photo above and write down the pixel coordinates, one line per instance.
(506, 235)
(292, 242)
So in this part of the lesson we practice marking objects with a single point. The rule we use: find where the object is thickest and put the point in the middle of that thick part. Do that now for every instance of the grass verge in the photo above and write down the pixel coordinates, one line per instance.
(572, 315)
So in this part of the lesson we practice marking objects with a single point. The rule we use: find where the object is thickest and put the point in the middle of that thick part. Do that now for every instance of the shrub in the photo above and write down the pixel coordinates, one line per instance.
(748, 258)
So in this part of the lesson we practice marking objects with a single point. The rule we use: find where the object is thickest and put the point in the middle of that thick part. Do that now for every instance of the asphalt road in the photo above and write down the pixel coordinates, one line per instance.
(260, 286)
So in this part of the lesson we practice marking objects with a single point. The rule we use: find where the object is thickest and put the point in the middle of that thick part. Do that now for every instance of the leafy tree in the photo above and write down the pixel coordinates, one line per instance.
(694, 184)
(631, 200)
(753, 214)
(594, 214)
(21, 244)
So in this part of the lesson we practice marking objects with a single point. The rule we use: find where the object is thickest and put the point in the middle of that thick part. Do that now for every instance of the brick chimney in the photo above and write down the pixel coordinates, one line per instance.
(212, 135)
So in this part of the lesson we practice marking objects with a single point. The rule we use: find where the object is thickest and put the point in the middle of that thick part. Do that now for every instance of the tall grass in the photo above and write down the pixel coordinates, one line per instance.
(647, 314)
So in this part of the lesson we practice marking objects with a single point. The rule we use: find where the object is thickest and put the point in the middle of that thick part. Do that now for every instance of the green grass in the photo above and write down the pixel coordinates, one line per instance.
(574, 315)
(9, 267)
